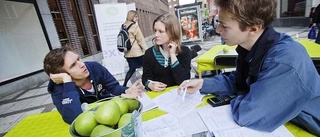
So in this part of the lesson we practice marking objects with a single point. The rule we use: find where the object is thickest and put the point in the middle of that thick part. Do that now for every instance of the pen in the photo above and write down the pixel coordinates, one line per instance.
(184, 92)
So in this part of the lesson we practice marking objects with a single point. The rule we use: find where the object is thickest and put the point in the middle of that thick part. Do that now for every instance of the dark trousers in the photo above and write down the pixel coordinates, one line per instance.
(318, 35)
(134, 63)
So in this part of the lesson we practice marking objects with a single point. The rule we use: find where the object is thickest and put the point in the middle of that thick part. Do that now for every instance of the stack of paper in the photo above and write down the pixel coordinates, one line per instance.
(185, 120)
(219, 121)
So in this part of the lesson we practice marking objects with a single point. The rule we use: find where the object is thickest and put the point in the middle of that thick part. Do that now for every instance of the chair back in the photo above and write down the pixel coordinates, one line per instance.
(223, 62)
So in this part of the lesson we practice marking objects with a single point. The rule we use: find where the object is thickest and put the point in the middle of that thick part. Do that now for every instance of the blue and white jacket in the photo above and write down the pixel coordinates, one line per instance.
(286, 88)
(67, 97)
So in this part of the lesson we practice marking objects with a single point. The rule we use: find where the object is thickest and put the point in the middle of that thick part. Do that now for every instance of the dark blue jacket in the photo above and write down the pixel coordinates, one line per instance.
(67, 97)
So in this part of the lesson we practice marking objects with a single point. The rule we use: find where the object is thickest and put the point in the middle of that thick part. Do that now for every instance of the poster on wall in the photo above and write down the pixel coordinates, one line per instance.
(110, 17)
(190, 21)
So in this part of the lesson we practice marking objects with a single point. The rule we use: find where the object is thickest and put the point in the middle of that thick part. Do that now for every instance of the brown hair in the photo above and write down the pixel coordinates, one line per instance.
(54, 60)
(249, 12)
(172, 27)
(131, 14)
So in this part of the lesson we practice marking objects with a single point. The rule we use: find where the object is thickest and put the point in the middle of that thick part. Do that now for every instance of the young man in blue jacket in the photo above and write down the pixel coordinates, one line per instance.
(74, 82)
(275, 80)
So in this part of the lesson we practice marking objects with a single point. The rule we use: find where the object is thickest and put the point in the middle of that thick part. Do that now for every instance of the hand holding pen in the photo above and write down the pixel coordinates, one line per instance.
(190, 86)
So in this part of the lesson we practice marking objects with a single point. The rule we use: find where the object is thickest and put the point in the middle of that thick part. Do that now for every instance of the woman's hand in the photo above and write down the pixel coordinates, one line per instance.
(172, 48)
(157, 86)
(192, 85)
(136, 89)
(60, 78)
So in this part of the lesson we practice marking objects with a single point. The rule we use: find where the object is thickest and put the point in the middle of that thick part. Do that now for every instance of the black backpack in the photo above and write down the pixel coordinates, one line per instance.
(123, 41)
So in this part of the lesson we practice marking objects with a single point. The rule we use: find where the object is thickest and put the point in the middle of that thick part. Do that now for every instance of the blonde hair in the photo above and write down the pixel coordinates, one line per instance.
(172, 27)
(131, 14)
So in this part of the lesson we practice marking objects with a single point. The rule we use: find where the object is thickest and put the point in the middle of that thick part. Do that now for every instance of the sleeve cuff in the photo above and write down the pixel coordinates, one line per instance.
(146, 85)
(175, 64)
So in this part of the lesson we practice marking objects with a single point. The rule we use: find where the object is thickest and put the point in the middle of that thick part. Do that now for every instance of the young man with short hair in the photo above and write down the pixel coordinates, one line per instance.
(275, 79)
(74, 82)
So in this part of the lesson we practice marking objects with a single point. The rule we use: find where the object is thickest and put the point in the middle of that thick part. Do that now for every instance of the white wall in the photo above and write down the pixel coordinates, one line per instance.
(315, 3)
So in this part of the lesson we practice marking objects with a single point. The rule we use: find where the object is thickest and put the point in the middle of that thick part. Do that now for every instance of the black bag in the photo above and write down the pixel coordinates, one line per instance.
(123, 41)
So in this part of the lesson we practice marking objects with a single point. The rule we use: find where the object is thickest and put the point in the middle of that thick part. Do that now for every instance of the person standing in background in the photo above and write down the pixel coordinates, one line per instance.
(135, 55)
(316, 22)
(167, 63)
(311, 15)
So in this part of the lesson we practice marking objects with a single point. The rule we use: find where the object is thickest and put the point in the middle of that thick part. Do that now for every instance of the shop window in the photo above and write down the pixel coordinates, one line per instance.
(293, 8)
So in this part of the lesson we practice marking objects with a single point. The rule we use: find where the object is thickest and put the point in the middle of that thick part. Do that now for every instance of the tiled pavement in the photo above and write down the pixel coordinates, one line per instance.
(15, 107)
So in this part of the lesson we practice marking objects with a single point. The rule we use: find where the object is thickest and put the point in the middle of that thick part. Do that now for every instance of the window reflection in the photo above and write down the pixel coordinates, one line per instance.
(292, 8)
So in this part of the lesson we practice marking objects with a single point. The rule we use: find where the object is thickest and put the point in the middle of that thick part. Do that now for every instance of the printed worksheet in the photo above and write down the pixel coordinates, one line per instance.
(220, 122)
(163, 126)
(173, 103)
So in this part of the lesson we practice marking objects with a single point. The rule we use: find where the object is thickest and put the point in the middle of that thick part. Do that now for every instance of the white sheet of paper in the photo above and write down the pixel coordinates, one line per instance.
(147, 102)
(163, 126)
(172, 103)
(219, 120)
(197, 96)
(282, 131)
(192, 123)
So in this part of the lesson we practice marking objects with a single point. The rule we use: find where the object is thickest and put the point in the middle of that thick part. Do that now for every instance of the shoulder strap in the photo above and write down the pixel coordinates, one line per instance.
(130, 25)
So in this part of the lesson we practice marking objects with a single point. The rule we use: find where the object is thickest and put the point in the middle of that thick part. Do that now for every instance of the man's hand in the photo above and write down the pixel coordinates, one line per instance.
(60, 78)
(157, 86)
(192, 85)
(135, 89)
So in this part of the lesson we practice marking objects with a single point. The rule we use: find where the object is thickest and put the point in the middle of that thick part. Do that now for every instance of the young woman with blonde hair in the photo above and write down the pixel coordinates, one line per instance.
(167, 63)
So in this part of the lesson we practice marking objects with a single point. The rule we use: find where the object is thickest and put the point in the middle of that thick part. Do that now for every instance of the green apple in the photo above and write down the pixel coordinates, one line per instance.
(108, 113)
(85, 123)
(124, 119)
(102, 130)
(124, 107)
(225, 50)
(133, 104)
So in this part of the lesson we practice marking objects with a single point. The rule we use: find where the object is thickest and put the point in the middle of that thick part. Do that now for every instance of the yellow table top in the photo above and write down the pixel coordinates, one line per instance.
(50, 124)
(312, 48)
(206, 60)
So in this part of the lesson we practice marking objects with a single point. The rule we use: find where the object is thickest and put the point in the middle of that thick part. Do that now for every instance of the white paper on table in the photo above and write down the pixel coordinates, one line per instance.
(217, 118)
(192, 123)
(281, 131)
(219, 121)
(197, 96)
(163, 126)
(147, 103)
(172, 103)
